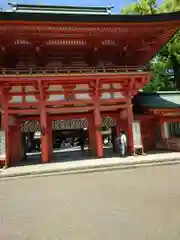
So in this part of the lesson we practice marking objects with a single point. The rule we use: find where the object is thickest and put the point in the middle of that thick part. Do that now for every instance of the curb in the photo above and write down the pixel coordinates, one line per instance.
(91, 169)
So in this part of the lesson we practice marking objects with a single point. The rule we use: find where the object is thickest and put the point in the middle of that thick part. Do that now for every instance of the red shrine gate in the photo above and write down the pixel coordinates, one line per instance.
(74, 67)
(84, 96)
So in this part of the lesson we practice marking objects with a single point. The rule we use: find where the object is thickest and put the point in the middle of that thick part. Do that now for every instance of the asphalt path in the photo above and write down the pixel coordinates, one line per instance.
(129, 204)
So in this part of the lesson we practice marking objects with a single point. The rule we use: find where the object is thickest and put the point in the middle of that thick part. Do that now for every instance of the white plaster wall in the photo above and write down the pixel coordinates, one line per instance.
(16, 89)
(30, 89)
(105, 86)
(55, 88)
(82, 86)
(55, 97)
(16, 99)
(31, 99)
(118, 95)
(116, 85)
(109, 95)
(82, 96)
(106, 96)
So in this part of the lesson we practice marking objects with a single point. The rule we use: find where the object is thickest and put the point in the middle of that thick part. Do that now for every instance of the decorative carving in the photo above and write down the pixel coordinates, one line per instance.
(68, 92)
(34, 126)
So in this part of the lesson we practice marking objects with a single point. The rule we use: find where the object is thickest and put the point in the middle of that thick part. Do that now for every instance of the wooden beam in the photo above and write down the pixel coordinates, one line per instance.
(66, 103)
(112, 108)
(62, 116)
(114, 100)
(62, 78)
(166, 110)
(73, 92)
(26, 104)
(23, 25)
(23, 111)
(66, 116)
(112, 114)
(23, 94)
(172, 119)
(29, 118)
(35, 93)
(143, 117)
(69, 109)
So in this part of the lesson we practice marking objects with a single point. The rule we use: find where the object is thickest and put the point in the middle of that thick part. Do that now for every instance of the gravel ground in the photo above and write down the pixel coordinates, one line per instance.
(133, 204)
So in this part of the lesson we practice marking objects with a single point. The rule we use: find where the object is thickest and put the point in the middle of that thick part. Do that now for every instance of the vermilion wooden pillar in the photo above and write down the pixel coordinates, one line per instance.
(97, 133)
(44, 135)
(50, 138)
(17, 132)
(5, 126)
(118, 124)
(90, 134)
(13, 143)
(130, 126)
(97, 125)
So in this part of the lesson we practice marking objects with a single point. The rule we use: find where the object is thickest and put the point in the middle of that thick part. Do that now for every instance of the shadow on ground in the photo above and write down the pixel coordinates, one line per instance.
(72, 154)
(66, 155)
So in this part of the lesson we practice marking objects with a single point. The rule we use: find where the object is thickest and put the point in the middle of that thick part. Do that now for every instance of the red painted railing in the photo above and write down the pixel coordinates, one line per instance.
(66, 70)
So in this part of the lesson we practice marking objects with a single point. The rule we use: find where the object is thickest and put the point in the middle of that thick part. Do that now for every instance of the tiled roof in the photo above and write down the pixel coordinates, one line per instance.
(157, 100)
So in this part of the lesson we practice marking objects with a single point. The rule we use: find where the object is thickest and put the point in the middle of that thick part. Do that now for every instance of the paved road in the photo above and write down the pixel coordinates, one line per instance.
(127, 204)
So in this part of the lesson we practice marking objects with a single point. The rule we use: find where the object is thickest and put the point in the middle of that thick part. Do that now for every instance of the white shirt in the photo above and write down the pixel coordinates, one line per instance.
(123, 139)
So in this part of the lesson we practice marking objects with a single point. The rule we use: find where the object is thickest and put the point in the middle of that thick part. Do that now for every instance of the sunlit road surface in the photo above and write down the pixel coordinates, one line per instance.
(133, 204)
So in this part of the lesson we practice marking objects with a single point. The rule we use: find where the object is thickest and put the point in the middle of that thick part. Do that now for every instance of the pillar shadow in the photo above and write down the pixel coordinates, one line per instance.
(66, 155)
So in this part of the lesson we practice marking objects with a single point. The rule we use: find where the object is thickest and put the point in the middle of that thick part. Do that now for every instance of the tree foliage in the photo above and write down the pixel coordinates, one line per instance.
(141, 7)
(166, 64)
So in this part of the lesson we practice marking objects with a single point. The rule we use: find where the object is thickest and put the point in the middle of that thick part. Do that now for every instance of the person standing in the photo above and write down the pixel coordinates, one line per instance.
(122, 143)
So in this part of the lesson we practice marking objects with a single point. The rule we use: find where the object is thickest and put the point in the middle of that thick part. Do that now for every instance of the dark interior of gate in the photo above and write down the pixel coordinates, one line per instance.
(68, 136)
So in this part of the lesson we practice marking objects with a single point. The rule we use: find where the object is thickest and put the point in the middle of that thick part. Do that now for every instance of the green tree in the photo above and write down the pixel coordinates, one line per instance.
(141, 7)
(162, 79)
(166, 65)
(170, 6)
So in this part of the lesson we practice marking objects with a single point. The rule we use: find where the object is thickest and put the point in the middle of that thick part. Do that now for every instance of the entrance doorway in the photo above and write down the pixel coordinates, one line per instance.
(67, 138)
(69, 141)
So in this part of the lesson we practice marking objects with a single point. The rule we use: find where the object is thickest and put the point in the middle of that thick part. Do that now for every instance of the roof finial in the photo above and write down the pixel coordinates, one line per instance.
(13, 5)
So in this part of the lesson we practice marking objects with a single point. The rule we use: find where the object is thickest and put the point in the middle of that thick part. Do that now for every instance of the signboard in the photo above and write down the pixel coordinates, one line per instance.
(137, 134)
(2, 145)
(166, 131)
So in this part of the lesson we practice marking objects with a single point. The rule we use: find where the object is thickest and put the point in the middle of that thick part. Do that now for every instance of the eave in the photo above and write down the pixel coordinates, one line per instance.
(93, 18)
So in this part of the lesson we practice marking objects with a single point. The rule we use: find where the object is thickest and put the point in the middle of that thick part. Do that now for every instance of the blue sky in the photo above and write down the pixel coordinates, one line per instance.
(117, 3)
